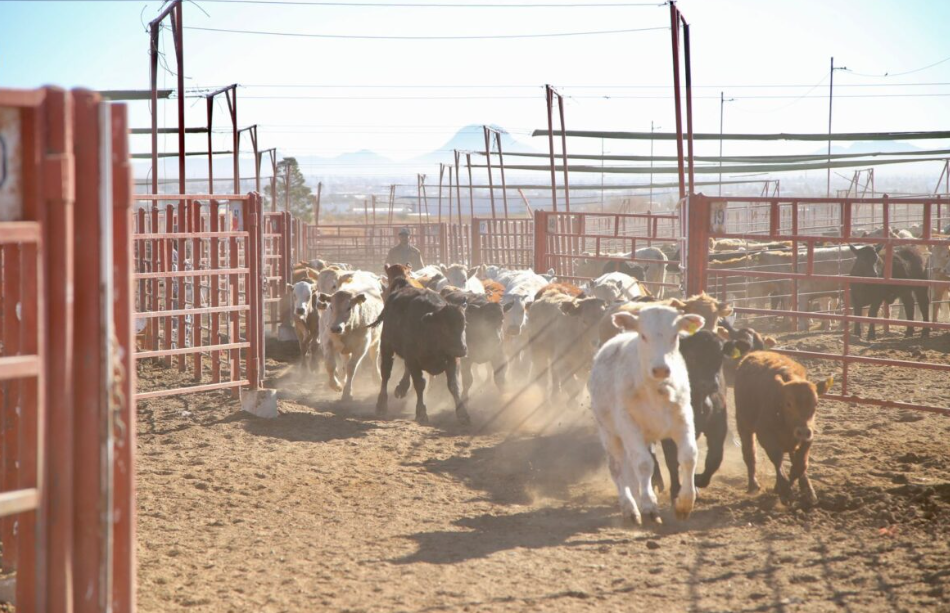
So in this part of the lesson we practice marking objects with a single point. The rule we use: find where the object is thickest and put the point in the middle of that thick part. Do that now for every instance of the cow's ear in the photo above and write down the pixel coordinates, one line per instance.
(569, 308)
(690, 324)
(725, 309)
(507, 306)
(825, 385)
(322, 306)
(359, 299)
(314, 301)
(324, 297)
(290, 286)
(853, 249)
(472, 272)
(428, 318)
(722, 333)
(626, 321)
(769, 341)
(878, 247)
(677, 304)
(444, 269)
(386, 268)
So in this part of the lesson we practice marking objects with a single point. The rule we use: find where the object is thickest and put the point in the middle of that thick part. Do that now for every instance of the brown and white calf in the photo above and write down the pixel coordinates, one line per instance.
(306, 318)
(776, 404)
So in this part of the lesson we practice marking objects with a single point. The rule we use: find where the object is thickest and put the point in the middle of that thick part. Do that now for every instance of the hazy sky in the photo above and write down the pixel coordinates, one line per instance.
(406, 97)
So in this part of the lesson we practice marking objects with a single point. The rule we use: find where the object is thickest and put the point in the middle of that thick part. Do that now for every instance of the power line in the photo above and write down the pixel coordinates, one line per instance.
(897, 74)
(591, 97)
(466, 5)
(518, 86)
(383, 37)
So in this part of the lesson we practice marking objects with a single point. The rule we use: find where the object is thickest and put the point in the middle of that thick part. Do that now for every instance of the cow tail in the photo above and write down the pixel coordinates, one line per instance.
(379, 319)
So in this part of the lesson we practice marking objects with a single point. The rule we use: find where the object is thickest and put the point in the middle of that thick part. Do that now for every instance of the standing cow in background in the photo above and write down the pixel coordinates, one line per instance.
(776, 403)
(907, 263)
(640, 395)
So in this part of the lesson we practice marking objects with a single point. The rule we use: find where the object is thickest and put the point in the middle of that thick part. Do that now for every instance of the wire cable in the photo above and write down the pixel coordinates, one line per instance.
(465, 5)
(896, 74)
(384, 37)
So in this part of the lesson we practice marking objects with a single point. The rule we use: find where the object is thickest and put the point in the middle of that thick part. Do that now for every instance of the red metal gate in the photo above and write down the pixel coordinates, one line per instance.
(66, 382)
(816, 266)
(366, 246)
(198, 289)
(503, 242)
(278, 265)
(577, 245)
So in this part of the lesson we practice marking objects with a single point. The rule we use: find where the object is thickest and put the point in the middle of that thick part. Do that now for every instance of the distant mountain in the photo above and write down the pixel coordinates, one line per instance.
(472, 138)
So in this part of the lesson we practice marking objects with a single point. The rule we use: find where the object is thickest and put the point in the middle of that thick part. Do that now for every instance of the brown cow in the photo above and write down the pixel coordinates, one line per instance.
(396, 271)
(566, 289)
(776, 402)
(493, 290)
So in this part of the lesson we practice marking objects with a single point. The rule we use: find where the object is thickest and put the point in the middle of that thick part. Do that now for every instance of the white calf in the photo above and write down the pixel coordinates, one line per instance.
(640, 395)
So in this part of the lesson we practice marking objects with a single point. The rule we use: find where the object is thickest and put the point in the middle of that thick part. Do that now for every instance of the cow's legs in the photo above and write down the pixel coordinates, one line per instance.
(923, 300)
(799, 471)
(386, 369)
(419, 383)
(747, 437)
(907, 301)
(331, 370)
(782, 486)
(452, 379)
(374, 361)
(872, 312)
(686, 454)
(716, 430)
(351, 367)
(499, 369)
(402, 388)
(467, 376)
(616, 462)
(673, 466)
(640, 463)
(657, 473)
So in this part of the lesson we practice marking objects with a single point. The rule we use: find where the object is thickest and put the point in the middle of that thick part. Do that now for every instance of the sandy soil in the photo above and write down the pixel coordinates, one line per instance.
(327, 508)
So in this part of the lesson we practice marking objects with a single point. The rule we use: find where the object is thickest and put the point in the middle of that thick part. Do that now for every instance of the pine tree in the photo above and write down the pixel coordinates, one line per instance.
(301, 196)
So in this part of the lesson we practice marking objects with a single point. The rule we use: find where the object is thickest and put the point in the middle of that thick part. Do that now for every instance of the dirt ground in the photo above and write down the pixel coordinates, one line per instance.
(328, 508)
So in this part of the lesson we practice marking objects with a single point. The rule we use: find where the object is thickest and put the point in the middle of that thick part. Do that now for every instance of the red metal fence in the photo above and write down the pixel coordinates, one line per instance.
(198, 289)
(578, 245)
(503, 242)
(817, 267)
(66, 378)
(278, 265)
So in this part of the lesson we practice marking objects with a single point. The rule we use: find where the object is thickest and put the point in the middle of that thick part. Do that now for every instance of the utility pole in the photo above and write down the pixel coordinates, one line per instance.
(287, 187)
(722, 102)
(831, 86)
(651, 161)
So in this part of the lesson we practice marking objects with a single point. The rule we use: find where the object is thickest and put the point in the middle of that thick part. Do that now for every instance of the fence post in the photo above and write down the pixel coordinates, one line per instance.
(697, 233)
(254, 289)
(540, 239)
(476, 244)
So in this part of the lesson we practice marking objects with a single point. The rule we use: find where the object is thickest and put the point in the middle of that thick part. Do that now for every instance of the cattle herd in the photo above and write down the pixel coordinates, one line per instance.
(657, 370)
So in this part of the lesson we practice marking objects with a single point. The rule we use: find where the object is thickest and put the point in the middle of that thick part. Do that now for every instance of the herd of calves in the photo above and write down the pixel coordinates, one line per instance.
(656, 371)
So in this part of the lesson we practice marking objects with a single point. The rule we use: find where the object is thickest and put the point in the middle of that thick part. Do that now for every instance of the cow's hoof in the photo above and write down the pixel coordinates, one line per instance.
(702, 480)
(653, 517)
(463, 418)
(421, 416)
(400, 391)
(335, 386)
(753, 487)
(809, 498)
(631, 517)
(347, 397)
(381, 408)
(682, 508)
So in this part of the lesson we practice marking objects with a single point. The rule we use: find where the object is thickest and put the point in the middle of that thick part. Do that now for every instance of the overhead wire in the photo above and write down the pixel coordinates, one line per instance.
(461, 37)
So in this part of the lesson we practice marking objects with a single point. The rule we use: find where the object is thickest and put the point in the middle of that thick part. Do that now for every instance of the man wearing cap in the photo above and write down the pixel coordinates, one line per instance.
(404, 253)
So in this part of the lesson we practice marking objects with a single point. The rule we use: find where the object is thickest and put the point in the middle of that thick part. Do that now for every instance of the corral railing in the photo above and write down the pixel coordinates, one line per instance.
(67, 410)
(802, 265)
(503, 242)
(578, 245)
(198, 289)
(459, 248)
(366, 246)
(278, 265)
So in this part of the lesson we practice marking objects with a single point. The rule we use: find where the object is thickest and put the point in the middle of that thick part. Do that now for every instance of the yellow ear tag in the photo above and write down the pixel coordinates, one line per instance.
(692, 327)
(736, 354)
(829, 382)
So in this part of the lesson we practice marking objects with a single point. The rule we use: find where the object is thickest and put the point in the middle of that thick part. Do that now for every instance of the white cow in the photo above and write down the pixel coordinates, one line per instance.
(306, 320)
(520, 288)
(640, 395)
(615, 286)
(459, 276)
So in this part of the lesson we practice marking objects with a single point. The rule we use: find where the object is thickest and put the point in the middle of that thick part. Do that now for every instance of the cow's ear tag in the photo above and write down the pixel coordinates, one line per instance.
(829, 382)
(736, 354)
(692, 327)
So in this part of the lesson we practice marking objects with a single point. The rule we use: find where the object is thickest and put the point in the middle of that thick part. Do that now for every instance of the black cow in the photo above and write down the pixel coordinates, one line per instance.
(745, 340)
(484, 321)
(703, 353)
(429, 335)
(907, 263)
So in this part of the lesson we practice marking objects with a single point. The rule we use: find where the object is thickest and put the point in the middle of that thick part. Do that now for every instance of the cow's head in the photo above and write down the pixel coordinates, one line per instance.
(659, 329)
(394, 271)
(587, 313)
(516, 314)
(328, 279)
(342, 307)
(708, 307)
(304, 296)
(704, 354)
(445, 329)
(457, 275)
(867, 261)
(799, 401)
